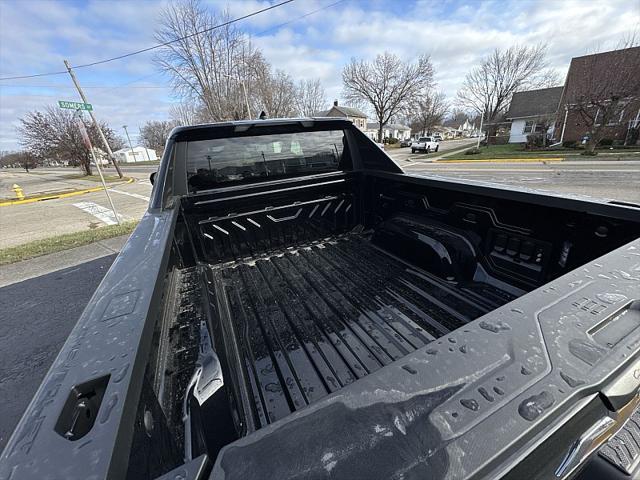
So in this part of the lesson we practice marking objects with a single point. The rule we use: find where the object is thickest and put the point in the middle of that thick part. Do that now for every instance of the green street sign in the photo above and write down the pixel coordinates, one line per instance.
(75, 105)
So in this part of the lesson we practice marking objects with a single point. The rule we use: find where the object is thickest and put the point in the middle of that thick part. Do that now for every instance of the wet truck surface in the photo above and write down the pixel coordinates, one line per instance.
(293, 305)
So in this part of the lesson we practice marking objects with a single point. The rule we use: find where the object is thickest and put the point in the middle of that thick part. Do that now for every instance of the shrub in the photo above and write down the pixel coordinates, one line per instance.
(472, 151)
(569, 144)
(606, 142)
(534, 140)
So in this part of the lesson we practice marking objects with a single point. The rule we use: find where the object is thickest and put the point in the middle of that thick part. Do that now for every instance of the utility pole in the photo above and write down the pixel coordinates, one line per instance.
(244, 90)
(480, 134)
(133, 154)
(87, 141)
(93, 118)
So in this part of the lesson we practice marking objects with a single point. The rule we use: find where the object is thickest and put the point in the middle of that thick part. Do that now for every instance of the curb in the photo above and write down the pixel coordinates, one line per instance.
(54, 196)
(507, 160)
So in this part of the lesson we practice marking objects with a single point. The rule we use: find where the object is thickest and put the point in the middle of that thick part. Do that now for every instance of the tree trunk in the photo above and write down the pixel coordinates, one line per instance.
(380, 134)
(86, 165)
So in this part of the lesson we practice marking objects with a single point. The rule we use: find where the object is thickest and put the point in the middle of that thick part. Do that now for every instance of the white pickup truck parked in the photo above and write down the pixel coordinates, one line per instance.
(425, 144)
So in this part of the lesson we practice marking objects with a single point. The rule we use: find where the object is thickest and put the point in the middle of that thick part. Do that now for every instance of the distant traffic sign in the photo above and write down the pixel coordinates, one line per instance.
(75, 105)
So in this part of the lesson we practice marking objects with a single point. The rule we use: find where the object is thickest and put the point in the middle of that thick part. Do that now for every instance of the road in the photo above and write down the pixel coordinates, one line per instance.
(36, 317)
(616, 180)
(598, 179)
(404, 156)
(34, 221)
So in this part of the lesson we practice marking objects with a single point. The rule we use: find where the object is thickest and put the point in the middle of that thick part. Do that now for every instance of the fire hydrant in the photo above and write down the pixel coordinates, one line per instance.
(19, 192)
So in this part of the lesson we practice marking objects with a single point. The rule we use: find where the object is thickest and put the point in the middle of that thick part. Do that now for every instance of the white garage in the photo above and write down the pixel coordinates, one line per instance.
(135, 154)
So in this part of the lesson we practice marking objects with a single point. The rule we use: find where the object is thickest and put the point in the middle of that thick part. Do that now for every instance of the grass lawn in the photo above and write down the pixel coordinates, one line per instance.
(515, 150)
(63, 242)
(510, 150)
(96, 178)
(146, 162)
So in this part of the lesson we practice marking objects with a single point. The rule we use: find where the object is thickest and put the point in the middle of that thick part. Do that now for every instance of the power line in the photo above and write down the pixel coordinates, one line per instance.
(88, 86)
(164, 44)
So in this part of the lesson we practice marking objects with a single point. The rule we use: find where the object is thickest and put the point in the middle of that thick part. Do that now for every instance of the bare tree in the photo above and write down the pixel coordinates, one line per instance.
(187, 112)
(23, 158)
(276, 94)
(488, 88)
(428, 111)
(387, 84)
(154, 134)
(53, 134)
(605, 91)
(213, 68)
(310, 97)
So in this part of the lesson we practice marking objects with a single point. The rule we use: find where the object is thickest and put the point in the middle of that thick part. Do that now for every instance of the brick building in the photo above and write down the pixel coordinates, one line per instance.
(601, 96)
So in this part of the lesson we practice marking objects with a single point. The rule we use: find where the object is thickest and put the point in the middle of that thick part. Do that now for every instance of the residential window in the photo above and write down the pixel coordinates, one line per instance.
(538, 128)
(528, 126)
(613, 120)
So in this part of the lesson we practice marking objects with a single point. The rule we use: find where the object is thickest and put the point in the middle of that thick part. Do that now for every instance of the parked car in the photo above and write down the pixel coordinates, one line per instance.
(406, 142)
(293, 305)
(437, 137)
(425, 144)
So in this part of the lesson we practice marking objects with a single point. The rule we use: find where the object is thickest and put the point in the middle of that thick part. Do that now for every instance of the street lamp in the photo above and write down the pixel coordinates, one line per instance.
(133, 155)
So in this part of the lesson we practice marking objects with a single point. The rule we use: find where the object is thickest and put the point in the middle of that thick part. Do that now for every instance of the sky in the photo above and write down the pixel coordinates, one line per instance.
(37, 35)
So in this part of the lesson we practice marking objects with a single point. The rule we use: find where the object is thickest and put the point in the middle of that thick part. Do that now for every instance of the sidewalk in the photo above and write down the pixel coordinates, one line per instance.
(20, 271)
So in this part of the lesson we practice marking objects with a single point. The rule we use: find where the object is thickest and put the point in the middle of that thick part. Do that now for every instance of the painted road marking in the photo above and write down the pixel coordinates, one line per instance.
(101, 213)
(134, 195)
(144, 182)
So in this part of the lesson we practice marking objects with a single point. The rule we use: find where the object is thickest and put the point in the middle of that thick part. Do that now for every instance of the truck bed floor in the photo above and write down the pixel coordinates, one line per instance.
(310, 320)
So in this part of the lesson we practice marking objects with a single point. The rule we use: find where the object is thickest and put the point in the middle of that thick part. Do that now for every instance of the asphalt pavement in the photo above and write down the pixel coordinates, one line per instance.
(601, 180)
(36, 317)
(34, 221)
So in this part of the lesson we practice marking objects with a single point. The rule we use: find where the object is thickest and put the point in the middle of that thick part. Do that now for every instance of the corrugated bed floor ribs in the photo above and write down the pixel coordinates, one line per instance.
(311, 320)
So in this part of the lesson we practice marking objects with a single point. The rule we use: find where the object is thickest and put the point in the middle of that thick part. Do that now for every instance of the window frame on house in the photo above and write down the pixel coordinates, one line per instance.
(531, 127)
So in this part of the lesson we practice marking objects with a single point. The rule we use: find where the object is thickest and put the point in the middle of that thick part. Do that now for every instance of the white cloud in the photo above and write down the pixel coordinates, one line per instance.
(36, 35)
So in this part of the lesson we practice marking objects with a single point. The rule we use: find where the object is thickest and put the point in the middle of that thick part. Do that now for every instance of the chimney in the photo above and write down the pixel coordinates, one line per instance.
(335, 103)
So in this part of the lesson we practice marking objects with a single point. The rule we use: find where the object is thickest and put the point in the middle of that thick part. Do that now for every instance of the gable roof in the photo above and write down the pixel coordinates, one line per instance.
(534, 103)
(346, 111)
(602, 75)
(390, 126)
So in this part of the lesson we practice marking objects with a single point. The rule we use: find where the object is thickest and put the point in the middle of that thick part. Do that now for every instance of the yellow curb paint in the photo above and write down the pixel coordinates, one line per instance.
(506, 160)
(56, 195)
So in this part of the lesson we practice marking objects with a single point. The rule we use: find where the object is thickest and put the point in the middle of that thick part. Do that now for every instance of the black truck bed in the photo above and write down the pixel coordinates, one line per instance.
(307, 321)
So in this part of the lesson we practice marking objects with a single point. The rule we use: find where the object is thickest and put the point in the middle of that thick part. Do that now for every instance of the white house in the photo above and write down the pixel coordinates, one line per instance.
(135, 154)
(390, 130)
(533, 111)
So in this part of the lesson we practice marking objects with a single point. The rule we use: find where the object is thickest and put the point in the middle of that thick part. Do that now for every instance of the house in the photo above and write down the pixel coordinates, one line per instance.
(446, 132)
(100, 156)
(135, 154)
(390, 130)
(533, 111)
(467, 129)
(358, 118)
(601, 87)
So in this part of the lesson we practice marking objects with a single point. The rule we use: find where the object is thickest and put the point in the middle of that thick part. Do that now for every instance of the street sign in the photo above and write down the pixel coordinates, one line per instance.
(75, 105)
